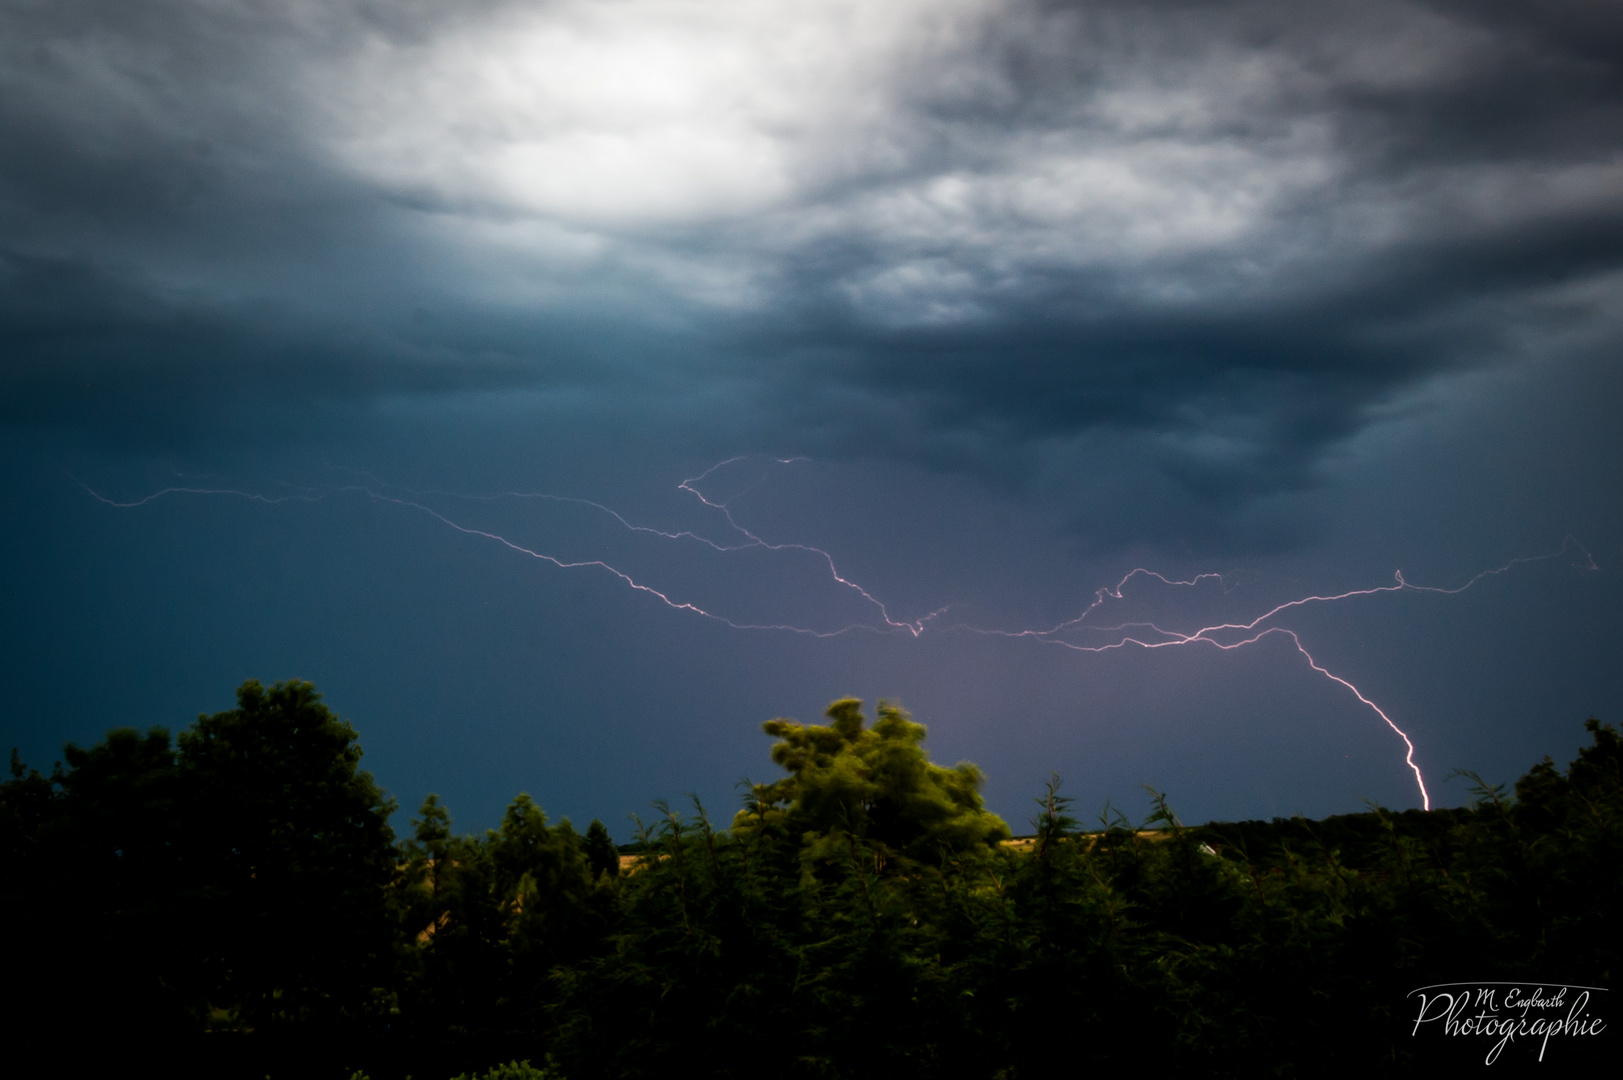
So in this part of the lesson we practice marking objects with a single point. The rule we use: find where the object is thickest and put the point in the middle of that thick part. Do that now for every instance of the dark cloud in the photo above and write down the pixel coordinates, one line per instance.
(1222, 235)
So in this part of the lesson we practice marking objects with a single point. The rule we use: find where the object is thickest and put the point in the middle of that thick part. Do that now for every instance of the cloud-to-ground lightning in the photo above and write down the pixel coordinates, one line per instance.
(1095, 638)
(1229, 636)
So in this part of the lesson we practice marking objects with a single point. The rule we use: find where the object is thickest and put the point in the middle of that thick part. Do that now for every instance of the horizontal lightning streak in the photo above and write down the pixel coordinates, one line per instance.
(1248, 633)
(914, 627)
(249, 495)
(679, 605)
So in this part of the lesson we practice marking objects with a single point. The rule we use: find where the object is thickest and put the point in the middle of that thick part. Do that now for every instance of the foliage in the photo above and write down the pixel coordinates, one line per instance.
(484, 920)
(292, 852)
(513, 1070)
(601, 854)
(235, 880)
(1224, 949)
(857, 919)
(875, 785)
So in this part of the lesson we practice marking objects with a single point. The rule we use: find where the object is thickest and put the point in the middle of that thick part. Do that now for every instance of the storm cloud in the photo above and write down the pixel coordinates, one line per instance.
(968, 231)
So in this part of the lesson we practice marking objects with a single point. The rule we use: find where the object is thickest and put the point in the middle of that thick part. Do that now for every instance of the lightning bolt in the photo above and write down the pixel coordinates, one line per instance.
(381, 496)
(914, 627)
(1247, 633)
(1226, 636)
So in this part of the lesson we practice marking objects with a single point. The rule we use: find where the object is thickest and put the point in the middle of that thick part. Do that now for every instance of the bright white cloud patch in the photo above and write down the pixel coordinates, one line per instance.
(751, 134)
(638, 112)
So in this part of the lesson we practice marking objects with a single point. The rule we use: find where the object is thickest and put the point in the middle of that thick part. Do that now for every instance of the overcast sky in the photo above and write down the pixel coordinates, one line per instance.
(992, 303)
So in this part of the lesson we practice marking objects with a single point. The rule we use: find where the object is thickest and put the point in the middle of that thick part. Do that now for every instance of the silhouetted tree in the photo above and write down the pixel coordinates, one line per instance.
(859, 919)
(601, 854)
(291, 850)
(95, 883)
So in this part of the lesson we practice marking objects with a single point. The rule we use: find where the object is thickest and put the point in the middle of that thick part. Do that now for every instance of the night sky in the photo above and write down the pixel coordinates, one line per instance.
(568, 387)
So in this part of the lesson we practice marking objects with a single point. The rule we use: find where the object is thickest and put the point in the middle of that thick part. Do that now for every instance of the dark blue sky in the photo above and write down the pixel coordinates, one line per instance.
(1034, 293)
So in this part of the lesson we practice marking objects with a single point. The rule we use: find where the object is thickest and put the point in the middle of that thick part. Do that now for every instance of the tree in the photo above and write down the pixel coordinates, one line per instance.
(290, 845)
(601, 854)
(876, 785)
(96, 873)
(26, 805)
(121, 815)
(542, 876)
(487, 919)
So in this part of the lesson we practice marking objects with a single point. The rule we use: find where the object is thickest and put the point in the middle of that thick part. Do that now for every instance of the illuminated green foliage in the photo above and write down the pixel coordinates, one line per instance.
(875, 784)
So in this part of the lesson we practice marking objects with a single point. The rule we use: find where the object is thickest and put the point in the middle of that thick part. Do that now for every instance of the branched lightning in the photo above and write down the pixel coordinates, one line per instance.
(1225, 636)
(378, 495)
(914, 627)
(1160, 638)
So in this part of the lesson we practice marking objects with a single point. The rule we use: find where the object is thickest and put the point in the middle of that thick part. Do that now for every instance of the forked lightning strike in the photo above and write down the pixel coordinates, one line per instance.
(1205, 635)
(1145, 635)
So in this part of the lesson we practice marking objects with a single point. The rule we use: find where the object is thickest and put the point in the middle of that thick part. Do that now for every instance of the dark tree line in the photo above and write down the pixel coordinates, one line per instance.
(234, 902)
(235, 878)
